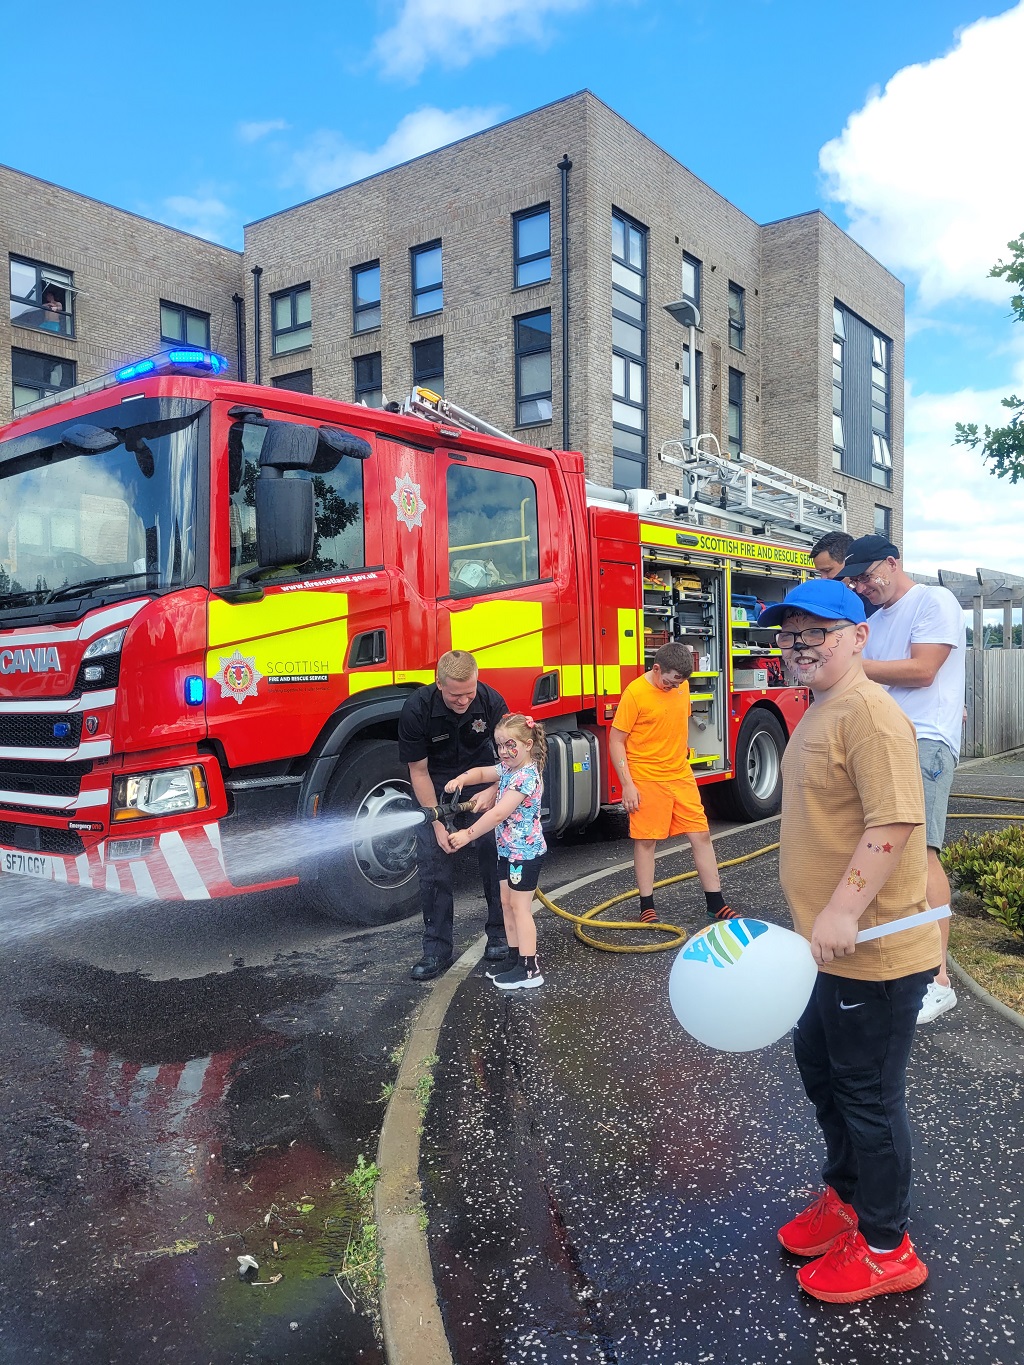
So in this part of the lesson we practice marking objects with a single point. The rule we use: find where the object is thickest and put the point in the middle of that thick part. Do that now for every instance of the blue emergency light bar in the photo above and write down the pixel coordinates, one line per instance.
(208, 362)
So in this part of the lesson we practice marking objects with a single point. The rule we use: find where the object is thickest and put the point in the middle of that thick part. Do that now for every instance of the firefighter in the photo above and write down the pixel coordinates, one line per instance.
(444, 729)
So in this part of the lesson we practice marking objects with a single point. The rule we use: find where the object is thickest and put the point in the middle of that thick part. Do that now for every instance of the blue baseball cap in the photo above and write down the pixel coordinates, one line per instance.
(824, 597)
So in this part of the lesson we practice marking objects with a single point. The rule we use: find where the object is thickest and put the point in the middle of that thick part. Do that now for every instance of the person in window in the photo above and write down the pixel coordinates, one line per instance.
(52, 319)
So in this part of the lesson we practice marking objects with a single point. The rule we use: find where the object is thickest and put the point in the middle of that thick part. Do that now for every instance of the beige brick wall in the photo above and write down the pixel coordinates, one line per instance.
(123, 266)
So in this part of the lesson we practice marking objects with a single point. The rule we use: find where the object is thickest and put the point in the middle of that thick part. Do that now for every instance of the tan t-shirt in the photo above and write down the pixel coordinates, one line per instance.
(852, 764)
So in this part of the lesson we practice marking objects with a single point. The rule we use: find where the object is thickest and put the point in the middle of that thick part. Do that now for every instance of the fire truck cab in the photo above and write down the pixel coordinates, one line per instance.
(215, 599)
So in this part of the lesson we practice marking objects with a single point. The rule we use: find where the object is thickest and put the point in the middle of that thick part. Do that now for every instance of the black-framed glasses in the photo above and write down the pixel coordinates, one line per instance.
(813, 635)
(864, 579)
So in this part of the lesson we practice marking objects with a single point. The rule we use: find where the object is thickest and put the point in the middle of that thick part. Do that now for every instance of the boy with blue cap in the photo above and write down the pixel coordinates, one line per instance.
(852, 857)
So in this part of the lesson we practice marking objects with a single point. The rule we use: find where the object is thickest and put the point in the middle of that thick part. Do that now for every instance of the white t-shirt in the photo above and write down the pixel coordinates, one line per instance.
(925, 616)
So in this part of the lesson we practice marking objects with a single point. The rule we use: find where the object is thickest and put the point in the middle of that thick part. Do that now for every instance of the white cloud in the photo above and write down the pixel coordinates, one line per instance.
(453, 33)
(328, 160)
(203, 215)
(253, 132)
(957, 514)
(929, 169)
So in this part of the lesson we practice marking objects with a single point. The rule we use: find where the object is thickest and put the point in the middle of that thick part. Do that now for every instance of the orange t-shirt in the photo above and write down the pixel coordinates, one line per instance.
(657, 729)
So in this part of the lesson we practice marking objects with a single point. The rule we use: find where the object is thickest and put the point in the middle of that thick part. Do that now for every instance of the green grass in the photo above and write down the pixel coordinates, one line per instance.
(994, 957)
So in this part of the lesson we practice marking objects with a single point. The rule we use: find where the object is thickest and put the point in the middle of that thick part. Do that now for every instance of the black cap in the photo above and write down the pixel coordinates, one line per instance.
(866, 551)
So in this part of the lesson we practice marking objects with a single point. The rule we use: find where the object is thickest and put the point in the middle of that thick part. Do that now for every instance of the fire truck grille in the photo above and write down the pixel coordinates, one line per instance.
(53, 731)
(42, 779)
(34, 839)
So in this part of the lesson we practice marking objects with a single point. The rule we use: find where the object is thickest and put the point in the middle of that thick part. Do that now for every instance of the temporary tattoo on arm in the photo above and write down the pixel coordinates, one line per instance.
(879, 848)
(856, 880)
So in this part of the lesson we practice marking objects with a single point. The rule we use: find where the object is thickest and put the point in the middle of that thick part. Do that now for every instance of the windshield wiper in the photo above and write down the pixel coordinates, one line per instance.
(109, 580)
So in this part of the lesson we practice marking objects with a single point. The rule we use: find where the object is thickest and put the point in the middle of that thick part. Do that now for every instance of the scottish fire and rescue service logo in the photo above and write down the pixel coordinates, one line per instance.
(238, 677)
(479, 726)
(409, 501)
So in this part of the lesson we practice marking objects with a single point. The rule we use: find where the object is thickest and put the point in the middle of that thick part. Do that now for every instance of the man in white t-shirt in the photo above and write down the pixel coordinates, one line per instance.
(917, 651)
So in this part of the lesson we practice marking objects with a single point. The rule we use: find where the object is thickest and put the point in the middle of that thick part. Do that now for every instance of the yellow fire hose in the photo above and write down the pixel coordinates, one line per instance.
(677, 935)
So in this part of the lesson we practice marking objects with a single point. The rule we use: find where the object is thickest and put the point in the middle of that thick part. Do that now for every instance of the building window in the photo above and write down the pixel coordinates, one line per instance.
(42, 297)
(881, 454)
(735, 412)
(37, 376)
(368, 386)
(629, 352)
(691, 278)
(531, 239)
(838, 356)
(428, 364)
(180, 324)
(299, 381)
(861, 399)
(291, 312)
(366, 297)
(492, 531)
(737, 317)
(533, 368)
(427, 289)
(691, 397)
(883, 521)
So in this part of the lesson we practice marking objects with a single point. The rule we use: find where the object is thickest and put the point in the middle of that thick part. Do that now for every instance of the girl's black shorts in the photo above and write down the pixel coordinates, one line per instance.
(522, 875)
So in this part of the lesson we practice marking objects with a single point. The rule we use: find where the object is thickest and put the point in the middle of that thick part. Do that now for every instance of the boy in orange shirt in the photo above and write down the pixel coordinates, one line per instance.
(649, 743)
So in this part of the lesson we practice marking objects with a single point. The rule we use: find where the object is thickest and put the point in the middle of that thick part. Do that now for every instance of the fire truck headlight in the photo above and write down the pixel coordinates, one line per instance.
(171, 792)
(106, 644)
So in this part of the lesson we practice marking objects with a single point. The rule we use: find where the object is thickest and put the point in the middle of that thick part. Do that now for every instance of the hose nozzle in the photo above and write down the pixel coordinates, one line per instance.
(447, 809)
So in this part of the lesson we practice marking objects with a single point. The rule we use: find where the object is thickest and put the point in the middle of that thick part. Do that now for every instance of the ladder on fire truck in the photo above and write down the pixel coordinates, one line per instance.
(426, 403)
(750, 492)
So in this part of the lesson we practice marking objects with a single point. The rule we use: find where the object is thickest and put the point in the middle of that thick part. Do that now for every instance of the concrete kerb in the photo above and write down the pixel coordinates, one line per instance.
(411, 1320)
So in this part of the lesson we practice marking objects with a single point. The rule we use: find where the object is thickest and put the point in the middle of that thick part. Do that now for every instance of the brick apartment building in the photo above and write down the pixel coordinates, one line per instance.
(450, 271)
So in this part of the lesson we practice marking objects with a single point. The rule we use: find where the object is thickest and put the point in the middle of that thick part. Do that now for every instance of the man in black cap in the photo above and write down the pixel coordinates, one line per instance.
(828, 555)
(444, 729)
(917, 651)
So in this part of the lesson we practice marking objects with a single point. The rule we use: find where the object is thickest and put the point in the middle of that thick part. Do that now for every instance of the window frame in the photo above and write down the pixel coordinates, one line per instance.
(185, 313)
(359, 390)
(483, 465)
(360, 308)
(46, 390)
(418, 291)
(629, 440)
(737, 328)
(66, 283)
(886, 528)
(736, 405)
(698, 271)
(277, 382)
(519, 260)
(520, 352)
(291, 294)
(691, 425)
(422, 382)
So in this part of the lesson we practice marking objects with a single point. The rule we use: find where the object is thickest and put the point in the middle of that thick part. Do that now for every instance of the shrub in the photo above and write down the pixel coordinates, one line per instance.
(991, 866)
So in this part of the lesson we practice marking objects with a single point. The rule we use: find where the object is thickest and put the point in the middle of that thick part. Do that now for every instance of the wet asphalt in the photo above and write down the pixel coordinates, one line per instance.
(601, 1188)
(184, 1084)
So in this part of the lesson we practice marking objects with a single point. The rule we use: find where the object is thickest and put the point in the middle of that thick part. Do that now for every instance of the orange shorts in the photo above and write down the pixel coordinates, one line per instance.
(667, 808)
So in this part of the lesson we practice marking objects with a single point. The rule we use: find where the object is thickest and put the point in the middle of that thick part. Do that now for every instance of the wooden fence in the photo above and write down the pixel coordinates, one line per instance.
(995, 702)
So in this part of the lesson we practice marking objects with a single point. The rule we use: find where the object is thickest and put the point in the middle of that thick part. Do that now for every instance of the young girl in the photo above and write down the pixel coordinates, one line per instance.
(515, 819)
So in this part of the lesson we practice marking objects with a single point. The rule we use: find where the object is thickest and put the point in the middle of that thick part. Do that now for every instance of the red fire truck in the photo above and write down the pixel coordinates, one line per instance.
(215, 598)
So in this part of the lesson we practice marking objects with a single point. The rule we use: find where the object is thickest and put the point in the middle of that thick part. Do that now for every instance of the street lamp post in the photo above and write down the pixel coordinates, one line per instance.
(687, 314)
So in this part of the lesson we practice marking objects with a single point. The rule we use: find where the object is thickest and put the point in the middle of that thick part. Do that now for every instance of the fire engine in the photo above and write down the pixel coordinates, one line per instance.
(216, 597)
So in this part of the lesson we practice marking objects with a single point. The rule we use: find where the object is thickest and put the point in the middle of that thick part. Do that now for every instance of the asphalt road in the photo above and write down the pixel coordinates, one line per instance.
(185, 1084)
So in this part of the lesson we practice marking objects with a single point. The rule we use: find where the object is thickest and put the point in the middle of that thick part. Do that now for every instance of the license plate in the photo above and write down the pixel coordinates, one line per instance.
(27, 864)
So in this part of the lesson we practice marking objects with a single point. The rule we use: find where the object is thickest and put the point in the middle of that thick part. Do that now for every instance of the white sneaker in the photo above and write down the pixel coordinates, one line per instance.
(937, 1000)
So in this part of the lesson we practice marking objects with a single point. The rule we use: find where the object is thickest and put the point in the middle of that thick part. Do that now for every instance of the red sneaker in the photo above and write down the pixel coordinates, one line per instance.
(850, 1271)
(813, 1231)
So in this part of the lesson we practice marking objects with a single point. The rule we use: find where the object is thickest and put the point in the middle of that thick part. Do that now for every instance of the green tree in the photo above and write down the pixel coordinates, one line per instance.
(1003, 447)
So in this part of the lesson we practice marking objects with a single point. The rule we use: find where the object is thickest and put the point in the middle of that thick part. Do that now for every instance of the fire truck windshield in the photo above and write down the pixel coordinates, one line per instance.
(83, 524)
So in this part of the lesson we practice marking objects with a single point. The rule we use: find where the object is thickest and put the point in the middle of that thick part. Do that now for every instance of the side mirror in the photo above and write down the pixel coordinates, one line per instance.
(285, 522)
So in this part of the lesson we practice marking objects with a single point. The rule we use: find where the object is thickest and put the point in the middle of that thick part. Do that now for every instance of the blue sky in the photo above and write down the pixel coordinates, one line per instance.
(901, 122)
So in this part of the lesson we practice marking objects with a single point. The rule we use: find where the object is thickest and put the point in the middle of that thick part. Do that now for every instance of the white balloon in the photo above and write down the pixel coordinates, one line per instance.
(741, 984)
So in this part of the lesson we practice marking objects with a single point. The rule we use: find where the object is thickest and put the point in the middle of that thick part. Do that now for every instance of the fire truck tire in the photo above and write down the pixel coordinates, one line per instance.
(369, 881)
(756, 790)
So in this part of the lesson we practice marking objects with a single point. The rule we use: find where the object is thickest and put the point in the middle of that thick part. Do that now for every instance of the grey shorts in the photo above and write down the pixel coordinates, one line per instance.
(938, 764)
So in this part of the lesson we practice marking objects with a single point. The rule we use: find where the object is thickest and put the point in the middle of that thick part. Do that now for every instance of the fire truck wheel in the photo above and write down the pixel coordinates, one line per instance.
(368, 880)
(756, 790)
